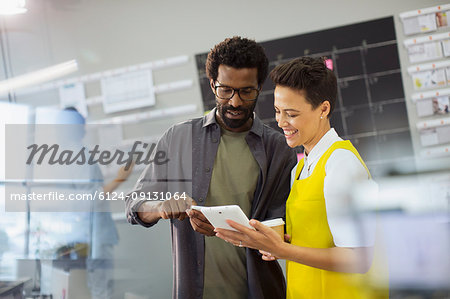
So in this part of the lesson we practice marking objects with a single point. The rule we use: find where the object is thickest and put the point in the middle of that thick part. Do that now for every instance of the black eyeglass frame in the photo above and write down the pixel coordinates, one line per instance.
(234, 92)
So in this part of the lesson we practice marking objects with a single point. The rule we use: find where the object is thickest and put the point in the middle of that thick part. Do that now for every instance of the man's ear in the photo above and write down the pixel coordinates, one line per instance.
(211, 84)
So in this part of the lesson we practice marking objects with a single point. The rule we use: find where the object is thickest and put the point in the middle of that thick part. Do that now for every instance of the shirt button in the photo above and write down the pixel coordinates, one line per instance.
(207, 169)
(200, 199)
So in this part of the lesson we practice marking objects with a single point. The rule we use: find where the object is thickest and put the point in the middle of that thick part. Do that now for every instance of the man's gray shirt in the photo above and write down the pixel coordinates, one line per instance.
(191, 148)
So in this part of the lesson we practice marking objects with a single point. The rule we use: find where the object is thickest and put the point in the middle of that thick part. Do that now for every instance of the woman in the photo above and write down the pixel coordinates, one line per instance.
(325, 259)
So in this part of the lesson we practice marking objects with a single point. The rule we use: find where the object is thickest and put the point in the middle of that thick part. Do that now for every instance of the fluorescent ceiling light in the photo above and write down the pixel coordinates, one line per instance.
(38, 77)
(12, 7)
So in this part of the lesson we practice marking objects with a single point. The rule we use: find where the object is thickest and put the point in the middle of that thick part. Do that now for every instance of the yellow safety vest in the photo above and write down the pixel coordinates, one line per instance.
(307, 224)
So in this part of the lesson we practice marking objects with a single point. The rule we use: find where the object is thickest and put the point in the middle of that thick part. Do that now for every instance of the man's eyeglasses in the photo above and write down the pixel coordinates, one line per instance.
(245, 94)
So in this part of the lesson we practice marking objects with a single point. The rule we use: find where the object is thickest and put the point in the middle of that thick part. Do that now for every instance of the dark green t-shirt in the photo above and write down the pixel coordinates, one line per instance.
(233, 182)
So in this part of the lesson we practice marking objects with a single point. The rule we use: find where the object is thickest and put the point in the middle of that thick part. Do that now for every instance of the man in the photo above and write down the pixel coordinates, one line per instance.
(236, 159)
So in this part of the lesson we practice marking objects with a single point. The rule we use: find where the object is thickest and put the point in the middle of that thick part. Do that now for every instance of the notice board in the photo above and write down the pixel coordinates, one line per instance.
(370, 109)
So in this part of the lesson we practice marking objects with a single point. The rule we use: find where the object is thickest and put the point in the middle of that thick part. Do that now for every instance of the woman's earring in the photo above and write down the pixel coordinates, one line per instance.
(321, 117)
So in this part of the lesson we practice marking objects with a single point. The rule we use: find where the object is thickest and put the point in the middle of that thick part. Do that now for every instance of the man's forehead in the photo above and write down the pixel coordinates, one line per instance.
(230, 74)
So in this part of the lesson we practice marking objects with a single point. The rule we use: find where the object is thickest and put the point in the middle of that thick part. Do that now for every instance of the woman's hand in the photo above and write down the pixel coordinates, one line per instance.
(262, 238)
(267, 256)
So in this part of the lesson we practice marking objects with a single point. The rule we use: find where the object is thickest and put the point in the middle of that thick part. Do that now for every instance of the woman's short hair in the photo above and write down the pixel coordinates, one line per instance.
(311, 76)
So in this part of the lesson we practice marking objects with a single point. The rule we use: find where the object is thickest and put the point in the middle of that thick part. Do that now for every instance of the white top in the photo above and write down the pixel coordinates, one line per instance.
(342, 169)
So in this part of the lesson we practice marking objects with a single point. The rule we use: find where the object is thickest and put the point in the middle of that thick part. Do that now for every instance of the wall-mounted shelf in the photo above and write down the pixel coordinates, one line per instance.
(426, 39)
(433, 123)
(148, 115)
(438, 151)
(153, 65)
(424, 11)
(428, 66)
(159, 89)
(430, 94)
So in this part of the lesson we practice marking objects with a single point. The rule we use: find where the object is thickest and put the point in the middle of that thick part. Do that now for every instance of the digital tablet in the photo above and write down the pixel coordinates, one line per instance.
(218, 214)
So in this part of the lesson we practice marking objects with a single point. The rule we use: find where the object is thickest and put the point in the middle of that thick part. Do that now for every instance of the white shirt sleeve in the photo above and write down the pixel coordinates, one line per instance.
(293, 171)
(343, 171)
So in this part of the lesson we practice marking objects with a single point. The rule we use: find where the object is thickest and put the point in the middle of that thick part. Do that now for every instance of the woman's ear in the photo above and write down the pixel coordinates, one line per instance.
(325, 108)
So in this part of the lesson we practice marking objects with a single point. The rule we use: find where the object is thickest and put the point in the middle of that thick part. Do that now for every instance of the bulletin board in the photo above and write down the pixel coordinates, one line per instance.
(371, 109)
(428, 51)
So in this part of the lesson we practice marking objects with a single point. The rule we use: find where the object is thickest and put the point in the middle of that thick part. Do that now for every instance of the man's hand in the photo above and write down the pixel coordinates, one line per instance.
(152, 211)
(200, 223)
(175, 208)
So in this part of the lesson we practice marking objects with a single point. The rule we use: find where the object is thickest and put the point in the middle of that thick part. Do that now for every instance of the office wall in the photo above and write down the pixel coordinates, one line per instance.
(104, 34)
(107, 34)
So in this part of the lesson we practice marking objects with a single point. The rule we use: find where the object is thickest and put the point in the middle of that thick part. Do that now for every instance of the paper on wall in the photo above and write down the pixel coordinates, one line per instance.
(429, 79)
(429, 137)
(424, 52)
(418, 24)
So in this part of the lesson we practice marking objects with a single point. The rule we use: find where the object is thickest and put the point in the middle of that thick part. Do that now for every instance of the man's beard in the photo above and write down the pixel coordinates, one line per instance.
(235, 123)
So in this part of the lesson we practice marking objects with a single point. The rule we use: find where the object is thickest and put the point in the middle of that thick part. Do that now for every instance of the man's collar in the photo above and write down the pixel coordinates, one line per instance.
(257, 126)
(210, 118)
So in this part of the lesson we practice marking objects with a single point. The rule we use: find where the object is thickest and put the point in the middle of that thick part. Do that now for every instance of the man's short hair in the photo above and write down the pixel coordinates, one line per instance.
(309, 75)
(237, 52)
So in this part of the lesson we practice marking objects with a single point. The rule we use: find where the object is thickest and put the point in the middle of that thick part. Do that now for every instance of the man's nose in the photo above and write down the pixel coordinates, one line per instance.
(235, 101)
